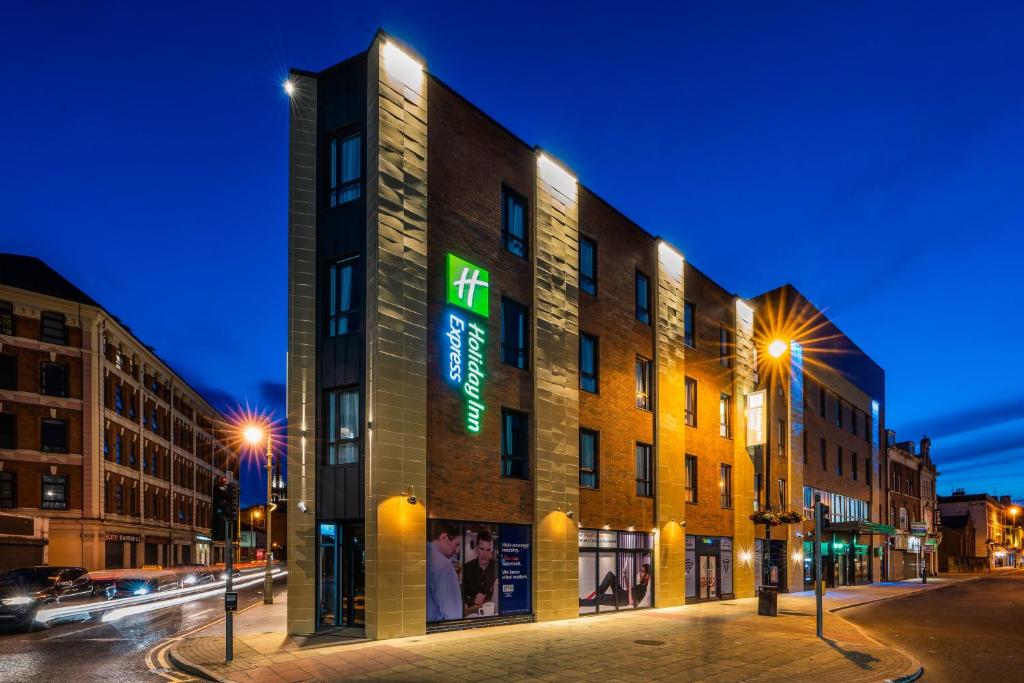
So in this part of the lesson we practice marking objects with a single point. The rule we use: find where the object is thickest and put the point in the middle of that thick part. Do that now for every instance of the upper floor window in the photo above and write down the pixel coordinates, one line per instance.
(118, 399)
(643, 383)
(343, 423)
(688, 322)
(839, 460)
(853, 420)
(780, 436)
(345, 169)
(588, 458)
(53, 328)
(824, 453)
(8, 430)
(822, 402)
(644, 470)
(8, 371)
(118, 448)
(853, 465)
(782, 493)
(514, 334)
(867, 471)
(725, 485)
(724, 346)
(342, 298)
(643, 298)
(691, 479)
(513, 223)
(757, 491)
(6, 318)
(588, 363)
(515, 460)
(8, 490)
(839, 412)
(904, 521)
(725, 416)
(690, 412)
(54, 492)
(54, 379)
(588, 266)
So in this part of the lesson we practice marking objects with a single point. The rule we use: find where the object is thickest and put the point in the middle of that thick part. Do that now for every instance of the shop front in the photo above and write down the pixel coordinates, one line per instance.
(778, 562)
(203, 554)
(709, 567)
(121, 551)
(849, 551)
(616, 570)
(477, 571)
(341, 564)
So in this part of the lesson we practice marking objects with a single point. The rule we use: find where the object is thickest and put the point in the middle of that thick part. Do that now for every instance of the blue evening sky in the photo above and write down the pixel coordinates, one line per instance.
(869, 154)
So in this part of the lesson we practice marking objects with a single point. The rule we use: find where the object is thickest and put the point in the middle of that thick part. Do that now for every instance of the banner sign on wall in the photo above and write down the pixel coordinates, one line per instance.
(515, 568)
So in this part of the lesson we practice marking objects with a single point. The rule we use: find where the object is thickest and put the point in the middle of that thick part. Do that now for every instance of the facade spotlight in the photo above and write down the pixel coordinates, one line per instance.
(410, 497)
(289, 87)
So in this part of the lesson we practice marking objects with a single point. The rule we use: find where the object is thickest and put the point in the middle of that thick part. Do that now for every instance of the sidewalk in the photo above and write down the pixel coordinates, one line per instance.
(717, 641)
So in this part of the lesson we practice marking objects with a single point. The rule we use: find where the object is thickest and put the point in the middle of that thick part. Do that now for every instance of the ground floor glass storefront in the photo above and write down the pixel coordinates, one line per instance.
(844, 562)
(778, 561)
(341, 565)
(616, 570)
(709, 568)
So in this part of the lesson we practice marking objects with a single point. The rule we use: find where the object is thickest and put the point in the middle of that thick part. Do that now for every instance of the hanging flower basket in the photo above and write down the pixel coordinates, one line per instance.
(776, 517)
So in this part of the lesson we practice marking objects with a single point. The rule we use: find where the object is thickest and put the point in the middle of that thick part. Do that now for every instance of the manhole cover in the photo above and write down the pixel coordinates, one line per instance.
(654, 643)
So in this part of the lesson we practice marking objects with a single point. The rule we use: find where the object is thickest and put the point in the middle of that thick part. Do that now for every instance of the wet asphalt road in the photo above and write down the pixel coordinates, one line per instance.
(88, 651)
(972, 631)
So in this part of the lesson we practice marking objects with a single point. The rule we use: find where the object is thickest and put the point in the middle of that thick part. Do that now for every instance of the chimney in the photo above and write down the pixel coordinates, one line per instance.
(926, 447)
(958, 492)
(1005, 500)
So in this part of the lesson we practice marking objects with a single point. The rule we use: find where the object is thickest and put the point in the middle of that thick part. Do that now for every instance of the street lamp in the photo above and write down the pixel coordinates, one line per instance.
(255, 435)
(776, 349)
(253, 512)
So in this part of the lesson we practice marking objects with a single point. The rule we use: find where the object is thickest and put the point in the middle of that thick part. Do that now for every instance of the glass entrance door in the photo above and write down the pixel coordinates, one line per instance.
(708, 586)
(341, 562)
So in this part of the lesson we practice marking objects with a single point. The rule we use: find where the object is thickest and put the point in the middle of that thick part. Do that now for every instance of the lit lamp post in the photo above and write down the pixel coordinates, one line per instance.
(1013, 514)
(256, 435)
(254, 512)
(776, 349)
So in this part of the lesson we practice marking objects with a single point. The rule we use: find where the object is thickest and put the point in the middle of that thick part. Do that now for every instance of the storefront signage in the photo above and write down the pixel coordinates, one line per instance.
(514, 542)
(914, 544)
(919, 529)
(200, 538)
(755, 418)
(465, 337)
(124, 538)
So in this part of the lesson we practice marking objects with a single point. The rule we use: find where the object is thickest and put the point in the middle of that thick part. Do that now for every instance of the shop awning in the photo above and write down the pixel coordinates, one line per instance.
(862, 528)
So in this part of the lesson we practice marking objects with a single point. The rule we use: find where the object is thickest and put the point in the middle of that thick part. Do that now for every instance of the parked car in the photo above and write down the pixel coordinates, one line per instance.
(195, 574)
(127, 583)
(23, 591)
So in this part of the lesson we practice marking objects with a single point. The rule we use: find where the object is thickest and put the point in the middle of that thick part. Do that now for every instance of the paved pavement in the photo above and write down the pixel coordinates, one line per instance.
(970, 632)
(721, 641)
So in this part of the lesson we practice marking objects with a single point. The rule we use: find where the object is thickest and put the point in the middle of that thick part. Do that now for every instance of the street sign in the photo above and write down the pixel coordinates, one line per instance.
(230, 602)
(919, 529)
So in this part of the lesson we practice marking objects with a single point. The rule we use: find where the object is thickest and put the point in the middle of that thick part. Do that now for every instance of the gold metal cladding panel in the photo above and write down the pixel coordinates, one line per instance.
(301, 397)
(745, 378)
(396, 324)
(670, 437)
(556, 397)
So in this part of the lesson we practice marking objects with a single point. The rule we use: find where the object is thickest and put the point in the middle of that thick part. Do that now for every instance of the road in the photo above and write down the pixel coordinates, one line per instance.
(110, 651)
(968, 631)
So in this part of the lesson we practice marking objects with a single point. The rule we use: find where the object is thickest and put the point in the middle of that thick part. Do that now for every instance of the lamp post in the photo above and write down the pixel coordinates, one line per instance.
(1013, 514)
(255, 435)
(776, 349)
(253, 512)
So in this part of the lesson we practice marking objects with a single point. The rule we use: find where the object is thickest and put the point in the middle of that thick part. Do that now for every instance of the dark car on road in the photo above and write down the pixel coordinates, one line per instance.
(23, 591)
(128, 583)
(195, 574)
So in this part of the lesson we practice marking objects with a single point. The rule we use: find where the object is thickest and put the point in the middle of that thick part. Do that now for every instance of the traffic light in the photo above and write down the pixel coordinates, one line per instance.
(225, 507)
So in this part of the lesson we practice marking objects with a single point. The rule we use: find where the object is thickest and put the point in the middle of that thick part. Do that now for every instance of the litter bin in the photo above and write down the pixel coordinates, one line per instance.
(768, 601)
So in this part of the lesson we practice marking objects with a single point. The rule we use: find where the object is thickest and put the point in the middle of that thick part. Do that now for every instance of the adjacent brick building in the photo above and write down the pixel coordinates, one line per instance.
(507, 401)
(98, 437)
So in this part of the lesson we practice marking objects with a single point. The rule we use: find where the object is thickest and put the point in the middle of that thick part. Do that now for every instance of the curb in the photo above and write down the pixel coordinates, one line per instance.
(908, 679)
(903, 594)
(195, 669)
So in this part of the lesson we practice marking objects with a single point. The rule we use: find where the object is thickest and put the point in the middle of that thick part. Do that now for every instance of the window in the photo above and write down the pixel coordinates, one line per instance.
(691, 479)
(515, 461)
(643, 383)
(514, 334)
(724, 346)
(343, 426)
(345, 170)
(643, 470)
(724, 416)
(804, 449)
(343, 298)
(757, 491)
(588, 363)
(54, 436)
(867, 471)
(54, 380)
(782, 493)
(588, 458)
(904, 523)
(780, 436)
(154, 423)
(688, 315)
(822, 402)
(54, 492)
(119, 499)
(853, 465)
(118, 399)
(118, 447)
(8, 436)
(725, 484)
(588, 266)
(643, 298)
(853, 420)
(8, 371)
(513, 223)
(8, 490)
(6, 318)
(52, 328)
(823, 446)
(839, 412)
(839, 461)
(690, 413)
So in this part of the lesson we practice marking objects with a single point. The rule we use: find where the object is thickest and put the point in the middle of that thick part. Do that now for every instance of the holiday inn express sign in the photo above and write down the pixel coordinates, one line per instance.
(468, 288)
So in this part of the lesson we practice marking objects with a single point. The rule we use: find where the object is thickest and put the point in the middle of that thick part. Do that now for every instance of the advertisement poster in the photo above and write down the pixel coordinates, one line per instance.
(515, 569)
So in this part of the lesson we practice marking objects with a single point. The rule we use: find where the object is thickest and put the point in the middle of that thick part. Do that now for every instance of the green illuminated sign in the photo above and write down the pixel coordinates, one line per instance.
(468, 286)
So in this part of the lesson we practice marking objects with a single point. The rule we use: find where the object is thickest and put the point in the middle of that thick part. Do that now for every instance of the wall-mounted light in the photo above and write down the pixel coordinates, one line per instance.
(301, 505)
(402, 66)
(798, 556)
(410, 496)
(606, 527)
(568, 512)
(289, 87)
(745, 556)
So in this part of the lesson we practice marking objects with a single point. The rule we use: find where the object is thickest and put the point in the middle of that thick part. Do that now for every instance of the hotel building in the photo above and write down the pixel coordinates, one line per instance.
(107, 457)
(509, 402)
